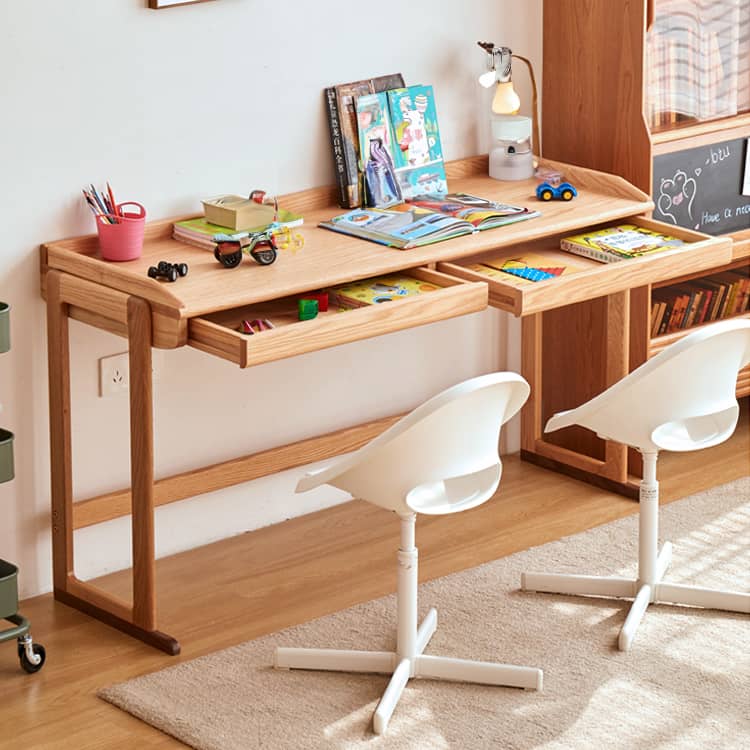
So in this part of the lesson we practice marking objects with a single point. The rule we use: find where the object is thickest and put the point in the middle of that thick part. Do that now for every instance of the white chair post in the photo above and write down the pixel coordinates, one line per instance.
(648, 522)
(406, 592)
(442, 458)
(686, 401)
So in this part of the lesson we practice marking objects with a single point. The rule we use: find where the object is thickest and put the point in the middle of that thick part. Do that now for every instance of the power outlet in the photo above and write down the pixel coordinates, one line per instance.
(114, 373)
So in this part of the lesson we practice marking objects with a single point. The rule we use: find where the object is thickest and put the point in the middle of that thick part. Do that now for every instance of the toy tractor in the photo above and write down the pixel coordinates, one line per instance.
(261, 246)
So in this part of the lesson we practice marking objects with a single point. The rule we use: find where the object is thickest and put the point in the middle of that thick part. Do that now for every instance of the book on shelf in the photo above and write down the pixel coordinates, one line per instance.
(376, 290)
(340, 103)
(482, 213)
(657, 313)
(527, 268)
(618, 243)
(735, 282)
(199, 232)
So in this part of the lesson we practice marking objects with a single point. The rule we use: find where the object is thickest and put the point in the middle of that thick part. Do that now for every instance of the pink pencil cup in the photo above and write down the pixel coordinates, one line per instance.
(122, 240)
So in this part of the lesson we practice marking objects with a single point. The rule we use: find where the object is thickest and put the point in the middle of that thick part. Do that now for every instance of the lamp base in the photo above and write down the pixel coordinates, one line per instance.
(505, 165)
(511, 157)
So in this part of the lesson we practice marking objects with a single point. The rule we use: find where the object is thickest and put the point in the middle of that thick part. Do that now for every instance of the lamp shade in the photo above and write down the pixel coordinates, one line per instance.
(506, 100)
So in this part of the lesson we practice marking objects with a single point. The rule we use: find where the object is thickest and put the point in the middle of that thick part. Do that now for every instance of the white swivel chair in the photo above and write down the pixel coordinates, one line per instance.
(441, 458)
(681, 400)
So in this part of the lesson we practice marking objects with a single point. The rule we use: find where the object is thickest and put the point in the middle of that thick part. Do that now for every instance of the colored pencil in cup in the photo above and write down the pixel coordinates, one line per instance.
(112, 202)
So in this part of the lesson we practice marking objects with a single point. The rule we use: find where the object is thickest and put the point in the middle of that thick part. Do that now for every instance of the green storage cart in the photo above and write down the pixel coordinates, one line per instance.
(31, 655)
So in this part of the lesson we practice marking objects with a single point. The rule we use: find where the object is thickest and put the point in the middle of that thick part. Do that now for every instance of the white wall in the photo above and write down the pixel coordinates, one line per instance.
(172, 106)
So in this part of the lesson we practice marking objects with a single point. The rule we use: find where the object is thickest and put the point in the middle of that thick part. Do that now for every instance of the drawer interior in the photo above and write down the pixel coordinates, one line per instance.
(359, 310)
(538, 275)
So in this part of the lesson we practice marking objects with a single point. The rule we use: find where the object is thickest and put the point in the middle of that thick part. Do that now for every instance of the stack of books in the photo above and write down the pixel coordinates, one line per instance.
(200, 233)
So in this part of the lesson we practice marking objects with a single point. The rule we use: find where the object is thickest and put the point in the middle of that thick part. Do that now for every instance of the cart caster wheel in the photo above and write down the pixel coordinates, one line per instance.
(26, 665)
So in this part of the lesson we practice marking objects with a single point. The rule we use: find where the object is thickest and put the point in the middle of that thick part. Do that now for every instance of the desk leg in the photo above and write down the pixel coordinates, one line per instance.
(61, 464)
(138, 620)
(142, 463)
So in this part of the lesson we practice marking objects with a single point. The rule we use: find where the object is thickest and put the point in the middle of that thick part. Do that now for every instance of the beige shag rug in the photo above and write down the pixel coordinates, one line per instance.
(685, 683)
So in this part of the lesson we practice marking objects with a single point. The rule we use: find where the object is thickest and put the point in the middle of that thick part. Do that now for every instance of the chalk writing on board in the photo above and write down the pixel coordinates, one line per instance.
(746, 179)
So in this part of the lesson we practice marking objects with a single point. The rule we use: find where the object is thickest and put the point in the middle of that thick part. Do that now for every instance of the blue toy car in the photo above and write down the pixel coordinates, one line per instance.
(563, 192)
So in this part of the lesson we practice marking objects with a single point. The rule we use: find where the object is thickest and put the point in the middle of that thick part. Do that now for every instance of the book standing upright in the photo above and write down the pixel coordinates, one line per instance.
(417, 152)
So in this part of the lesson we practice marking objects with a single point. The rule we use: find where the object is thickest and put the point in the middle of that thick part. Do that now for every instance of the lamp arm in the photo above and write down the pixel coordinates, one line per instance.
(537, 145)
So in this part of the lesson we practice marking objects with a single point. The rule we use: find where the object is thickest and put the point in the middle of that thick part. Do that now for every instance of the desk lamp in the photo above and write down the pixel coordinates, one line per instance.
(511, 156)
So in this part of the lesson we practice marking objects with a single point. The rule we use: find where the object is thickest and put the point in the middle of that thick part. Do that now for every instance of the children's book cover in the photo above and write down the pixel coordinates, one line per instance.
(619, 243)
(374, 129)
(417, 152)
(380, 289)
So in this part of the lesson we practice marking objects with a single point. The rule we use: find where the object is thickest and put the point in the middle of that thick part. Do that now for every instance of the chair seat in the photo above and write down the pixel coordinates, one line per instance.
(456, 493)
(695, 433)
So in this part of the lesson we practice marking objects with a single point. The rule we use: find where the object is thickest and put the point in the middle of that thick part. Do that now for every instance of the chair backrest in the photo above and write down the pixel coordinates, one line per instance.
(445, 452)
(682, 399)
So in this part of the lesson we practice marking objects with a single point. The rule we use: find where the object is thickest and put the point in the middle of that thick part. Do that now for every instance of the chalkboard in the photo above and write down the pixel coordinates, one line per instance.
(701, 188)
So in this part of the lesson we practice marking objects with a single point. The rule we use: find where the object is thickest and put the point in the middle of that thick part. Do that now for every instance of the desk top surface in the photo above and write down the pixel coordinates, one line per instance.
(330, 258)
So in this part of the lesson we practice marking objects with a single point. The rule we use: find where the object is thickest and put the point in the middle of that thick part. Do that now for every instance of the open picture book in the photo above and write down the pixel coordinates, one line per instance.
(427, 219)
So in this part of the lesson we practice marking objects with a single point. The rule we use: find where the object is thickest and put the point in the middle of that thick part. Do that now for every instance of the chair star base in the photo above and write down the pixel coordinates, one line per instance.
(405, 667)
(643, 594)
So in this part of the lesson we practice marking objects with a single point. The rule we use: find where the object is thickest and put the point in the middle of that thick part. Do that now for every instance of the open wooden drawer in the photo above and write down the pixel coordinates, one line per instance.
(217, 332)
(584, 278)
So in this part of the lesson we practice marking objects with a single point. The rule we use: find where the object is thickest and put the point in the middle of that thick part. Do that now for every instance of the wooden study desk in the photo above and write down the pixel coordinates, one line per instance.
(203, 310)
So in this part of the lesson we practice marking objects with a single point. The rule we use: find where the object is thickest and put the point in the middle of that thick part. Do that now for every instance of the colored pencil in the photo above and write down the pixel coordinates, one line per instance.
(112, 202)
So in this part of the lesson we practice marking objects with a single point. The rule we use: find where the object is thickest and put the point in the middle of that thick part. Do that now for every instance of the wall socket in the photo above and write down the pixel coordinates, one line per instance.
(114, 373)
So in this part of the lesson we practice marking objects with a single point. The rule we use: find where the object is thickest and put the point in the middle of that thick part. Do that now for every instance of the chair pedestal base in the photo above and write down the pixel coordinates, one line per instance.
(405, 667)
(642, 593)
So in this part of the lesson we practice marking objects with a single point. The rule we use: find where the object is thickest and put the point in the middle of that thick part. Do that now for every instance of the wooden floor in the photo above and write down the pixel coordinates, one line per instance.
(257, 583)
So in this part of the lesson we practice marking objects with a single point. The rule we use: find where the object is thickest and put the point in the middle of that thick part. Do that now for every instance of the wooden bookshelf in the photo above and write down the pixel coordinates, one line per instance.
(620, 102)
